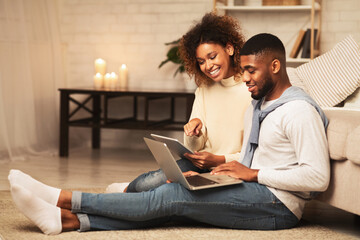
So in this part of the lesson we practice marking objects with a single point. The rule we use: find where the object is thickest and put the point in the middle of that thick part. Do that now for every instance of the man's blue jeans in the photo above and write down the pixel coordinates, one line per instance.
(242, 206)
(154, 179)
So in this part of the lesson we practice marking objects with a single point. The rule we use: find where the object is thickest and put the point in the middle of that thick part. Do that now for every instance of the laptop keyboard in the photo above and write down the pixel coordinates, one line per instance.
(199, 181)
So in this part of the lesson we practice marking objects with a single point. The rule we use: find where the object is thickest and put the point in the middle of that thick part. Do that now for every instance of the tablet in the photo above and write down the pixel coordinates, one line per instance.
(173, 144)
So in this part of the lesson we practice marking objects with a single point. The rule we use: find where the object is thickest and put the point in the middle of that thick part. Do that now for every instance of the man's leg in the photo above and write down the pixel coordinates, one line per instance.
(45, 215)
(154, 179)
(45, 192)
(242, 206)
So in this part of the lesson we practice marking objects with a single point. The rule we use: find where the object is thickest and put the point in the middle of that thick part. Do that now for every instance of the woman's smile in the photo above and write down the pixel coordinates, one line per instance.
(215, 72)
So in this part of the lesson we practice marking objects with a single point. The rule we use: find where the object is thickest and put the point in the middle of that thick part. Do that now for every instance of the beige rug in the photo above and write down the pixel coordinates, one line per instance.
(13, 225)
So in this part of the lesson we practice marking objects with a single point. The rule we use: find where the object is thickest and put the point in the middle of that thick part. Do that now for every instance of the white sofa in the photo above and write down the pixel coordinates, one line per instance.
(344, 147)
(333, 79)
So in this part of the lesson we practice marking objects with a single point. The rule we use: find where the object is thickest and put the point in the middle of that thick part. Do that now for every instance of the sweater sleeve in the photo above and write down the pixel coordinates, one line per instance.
(232, 157)
(238, 155)
(245, 137)
(311, 170)
(196, 143)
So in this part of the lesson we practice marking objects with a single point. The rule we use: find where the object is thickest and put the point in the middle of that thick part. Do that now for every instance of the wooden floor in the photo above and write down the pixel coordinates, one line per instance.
(84, 168)
(87, 168)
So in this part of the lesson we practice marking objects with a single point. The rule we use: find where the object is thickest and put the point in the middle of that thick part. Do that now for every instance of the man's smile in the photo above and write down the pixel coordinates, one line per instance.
(251, 87)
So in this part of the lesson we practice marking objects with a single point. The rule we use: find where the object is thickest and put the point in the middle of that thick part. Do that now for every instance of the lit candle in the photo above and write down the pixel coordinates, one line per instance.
(100, 66)
(107, 80)
(114, 80)
(123, 72)
(98, 81)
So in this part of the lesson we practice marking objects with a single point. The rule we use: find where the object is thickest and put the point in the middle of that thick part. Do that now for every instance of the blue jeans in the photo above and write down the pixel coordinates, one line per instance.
(154, 179)
(243, 206)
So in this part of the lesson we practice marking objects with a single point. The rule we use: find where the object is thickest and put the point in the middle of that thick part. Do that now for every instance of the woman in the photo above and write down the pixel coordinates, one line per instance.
(210, 51)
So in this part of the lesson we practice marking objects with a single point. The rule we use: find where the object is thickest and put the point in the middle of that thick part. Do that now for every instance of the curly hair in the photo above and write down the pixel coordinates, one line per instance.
(211, 29)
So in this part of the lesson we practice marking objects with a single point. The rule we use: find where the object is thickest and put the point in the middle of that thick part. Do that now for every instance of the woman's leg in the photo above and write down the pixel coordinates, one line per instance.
(154, 179)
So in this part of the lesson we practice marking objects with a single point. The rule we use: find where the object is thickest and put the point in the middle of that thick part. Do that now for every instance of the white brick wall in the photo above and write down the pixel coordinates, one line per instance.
(124, 31)
(134, 32)
(340, 18)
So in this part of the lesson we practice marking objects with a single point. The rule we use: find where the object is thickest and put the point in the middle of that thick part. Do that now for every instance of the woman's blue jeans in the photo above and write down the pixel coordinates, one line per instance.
(154, 179)
(243, 206)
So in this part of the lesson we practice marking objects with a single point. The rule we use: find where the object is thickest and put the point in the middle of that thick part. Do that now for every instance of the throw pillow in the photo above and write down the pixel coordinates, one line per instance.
(294, 79)
(333, 76)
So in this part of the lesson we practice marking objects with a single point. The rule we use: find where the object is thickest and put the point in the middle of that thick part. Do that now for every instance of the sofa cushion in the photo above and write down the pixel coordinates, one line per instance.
(353, 101)
(333, 76)
(343, 134)
(352, 150)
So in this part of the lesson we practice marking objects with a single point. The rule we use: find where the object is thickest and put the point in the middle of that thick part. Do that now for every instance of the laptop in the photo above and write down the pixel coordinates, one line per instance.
(172, 171)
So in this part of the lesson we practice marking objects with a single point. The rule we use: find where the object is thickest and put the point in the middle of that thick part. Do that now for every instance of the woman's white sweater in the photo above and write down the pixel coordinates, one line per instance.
(221, 108)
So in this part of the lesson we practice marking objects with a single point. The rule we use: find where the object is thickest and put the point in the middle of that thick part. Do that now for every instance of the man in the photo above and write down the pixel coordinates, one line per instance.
(284, 158)
(292, 152)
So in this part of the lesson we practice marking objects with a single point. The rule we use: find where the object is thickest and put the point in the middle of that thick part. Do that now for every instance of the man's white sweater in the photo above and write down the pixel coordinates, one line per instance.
(292, 154)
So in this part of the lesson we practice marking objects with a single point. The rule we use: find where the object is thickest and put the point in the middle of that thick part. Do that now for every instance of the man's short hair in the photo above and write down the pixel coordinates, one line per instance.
(263, 43)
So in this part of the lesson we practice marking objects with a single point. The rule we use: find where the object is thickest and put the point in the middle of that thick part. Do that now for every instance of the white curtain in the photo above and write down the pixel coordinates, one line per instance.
(31, 71)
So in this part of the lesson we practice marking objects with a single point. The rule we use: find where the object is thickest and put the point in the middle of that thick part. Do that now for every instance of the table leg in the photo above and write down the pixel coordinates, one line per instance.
(96, 121)
(172, 109)
(146, 114)
(189, 105)
(64, 124)
(135, 108)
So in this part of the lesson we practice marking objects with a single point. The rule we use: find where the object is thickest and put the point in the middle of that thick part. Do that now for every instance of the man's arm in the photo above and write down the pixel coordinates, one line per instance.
(310, 170)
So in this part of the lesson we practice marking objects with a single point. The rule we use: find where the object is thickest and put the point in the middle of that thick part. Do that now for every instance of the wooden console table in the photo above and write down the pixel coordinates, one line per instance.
(99, 111)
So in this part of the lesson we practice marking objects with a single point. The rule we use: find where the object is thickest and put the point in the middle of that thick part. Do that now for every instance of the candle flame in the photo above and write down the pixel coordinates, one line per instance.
(100, 61)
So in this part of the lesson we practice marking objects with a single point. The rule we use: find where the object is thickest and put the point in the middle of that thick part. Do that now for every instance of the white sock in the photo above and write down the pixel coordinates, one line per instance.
(116, 187)
(45, 192)
(46, 216)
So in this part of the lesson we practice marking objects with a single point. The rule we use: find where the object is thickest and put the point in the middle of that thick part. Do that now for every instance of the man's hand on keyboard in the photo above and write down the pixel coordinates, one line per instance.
(236, 170)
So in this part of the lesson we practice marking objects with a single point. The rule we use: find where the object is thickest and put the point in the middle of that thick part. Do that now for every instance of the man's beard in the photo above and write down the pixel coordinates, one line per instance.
(266, 88)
